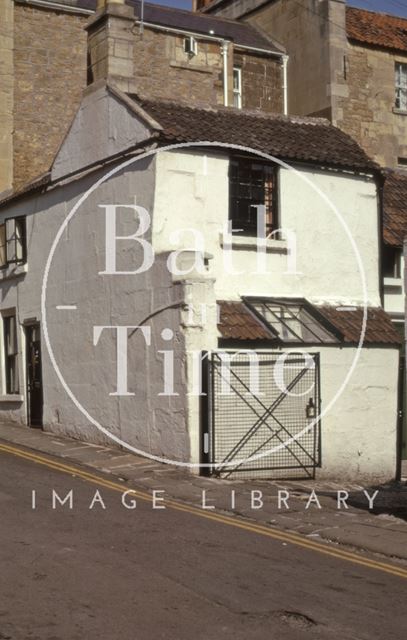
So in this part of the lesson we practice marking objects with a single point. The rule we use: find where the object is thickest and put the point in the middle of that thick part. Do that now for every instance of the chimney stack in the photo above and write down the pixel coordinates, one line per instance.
(111, 44)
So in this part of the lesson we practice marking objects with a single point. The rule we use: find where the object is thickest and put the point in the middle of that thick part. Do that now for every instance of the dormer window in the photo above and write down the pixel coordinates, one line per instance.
(190, 46)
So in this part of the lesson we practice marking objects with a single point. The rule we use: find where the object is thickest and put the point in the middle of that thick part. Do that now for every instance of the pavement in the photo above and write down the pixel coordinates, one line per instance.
(119, 574)
(381, 530)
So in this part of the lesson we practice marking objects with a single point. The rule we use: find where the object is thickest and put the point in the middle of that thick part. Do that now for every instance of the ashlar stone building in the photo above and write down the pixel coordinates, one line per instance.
(47, 59)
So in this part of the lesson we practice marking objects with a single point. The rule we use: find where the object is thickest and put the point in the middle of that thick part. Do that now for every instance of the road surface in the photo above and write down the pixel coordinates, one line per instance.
(138, 574)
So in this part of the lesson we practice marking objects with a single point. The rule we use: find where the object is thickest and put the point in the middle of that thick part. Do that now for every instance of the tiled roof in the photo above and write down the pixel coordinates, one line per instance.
(376, 29)
(240, 33)
(349, 321)
(395, 208)
(237, 323)
(310, 140)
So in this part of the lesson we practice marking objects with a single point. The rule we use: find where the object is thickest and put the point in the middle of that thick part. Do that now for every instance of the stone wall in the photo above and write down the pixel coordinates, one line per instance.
(262, 83)
(50, 74)
(164, 70)
(314, 40)
(368, 113)
(6, 94)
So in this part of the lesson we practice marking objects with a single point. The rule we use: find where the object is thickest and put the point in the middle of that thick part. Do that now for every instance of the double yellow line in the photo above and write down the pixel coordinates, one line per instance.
(236, 522)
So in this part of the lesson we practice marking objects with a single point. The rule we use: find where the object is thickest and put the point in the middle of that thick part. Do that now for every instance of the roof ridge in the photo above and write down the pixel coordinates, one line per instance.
(311, 120)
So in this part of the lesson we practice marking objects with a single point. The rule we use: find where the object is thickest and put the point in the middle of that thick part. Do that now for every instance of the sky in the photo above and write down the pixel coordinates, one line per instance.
(396, 7)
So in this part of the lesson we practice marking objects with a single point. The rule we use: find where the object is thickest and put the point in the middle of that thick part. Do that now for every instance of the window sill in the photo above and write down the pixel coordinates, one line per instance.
(251, 243)
(400, 112)
(393, 282)
(12, 397)
(7, 273)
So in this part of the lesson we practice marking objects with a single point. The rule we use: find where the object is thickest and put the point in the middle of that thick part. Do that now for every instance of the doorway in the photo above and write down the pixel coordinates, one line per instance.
(34, 375)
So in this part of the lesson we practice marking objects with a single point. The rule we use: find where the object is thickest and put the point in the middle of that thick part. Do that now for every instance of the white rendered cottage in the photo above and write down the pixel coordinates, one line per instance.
(160, 287)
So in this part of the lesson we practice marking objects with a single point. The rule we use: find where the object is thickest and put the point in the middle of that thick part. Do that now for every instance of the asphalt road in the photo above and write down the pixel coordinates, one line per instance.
(141, 574)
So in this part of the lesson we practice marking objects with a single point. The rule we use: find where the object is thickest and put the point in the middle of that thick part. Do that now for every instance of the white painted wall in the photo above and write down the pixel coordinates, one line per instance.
(186, 190)
(147, 420)
(359, 432)
(192, 193)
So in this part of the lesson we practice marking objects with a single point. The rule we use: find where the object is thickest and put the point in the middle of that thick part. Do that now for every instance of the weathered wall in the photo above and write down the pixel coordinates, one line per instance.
(313, 34)
(359, 433)
(146, 420)
(85, 145)
(368, 114)
(6, 94)
(50, 74)
(262, 82)
(164, 70)
(192, 187)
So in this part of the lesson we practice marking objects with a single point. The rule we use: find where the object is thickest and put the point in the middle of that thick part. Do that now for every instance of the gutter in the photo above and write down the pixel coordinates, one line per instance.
(225, 51)
(207, 36)
(43, 4)
(285, 84)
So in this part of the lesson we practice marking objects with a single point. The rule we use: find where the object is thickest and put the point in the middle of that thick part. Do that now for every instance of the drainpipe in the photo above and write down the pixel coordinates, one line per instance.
(225, 47)
(285, 84)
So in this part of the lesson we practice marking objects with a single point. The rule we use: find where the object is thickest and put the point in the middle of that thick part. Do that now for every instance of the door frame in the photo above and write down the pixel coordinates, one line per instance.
(28, 326)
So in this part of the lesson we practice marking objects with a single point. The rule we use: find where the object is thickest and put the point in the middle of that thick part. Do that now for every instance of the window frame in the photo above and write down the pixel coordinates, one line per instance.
(272, 213)
(10, 359)
(190, 46)
(15, 242)
(303, 305)
(396, 257)
(237, 93)
(400, 71)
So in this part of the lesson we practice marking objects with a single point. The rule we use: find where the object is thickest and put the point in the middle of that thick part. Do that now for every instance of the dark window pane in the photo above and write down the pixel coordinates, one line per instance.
(250, 184)
(391, 262)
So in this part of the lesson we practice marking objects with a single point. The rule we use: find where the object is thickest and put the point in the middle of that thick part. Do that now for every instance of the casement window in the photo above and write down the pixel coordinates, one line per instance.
(252, 196)
(12, 242)
(294, 321)
(11, 354)
(401, 86)
(391, 262)
(190, 46)
(237, 87)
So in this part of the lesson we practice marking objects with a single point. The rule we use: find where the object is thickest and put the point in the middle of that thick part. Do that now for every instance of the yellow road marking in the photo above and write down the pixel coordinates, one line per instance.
(276, 534)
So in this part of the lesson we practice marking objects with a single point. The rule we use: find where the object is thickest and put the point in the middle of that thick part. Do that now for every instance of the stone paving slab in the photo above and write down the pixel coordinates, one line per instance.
(383, 532)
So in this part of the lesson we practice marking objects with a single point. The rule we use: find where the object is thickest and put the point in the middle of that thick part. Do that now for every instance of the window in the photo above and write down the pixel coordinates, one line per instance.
(237, 87)
(252, 195)
(12, 242)
(190, 46)
(402, 163)
(11, 354)
(401, 86)
(391, 262)
(294, 321)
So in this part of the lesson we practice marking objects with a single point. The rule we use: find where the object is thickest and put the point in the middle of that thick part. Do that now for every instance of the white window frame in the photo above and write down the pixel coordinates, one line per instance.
(190, 46)
(401, 86)
(5, 315)
(13, 242)
(237, 92)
